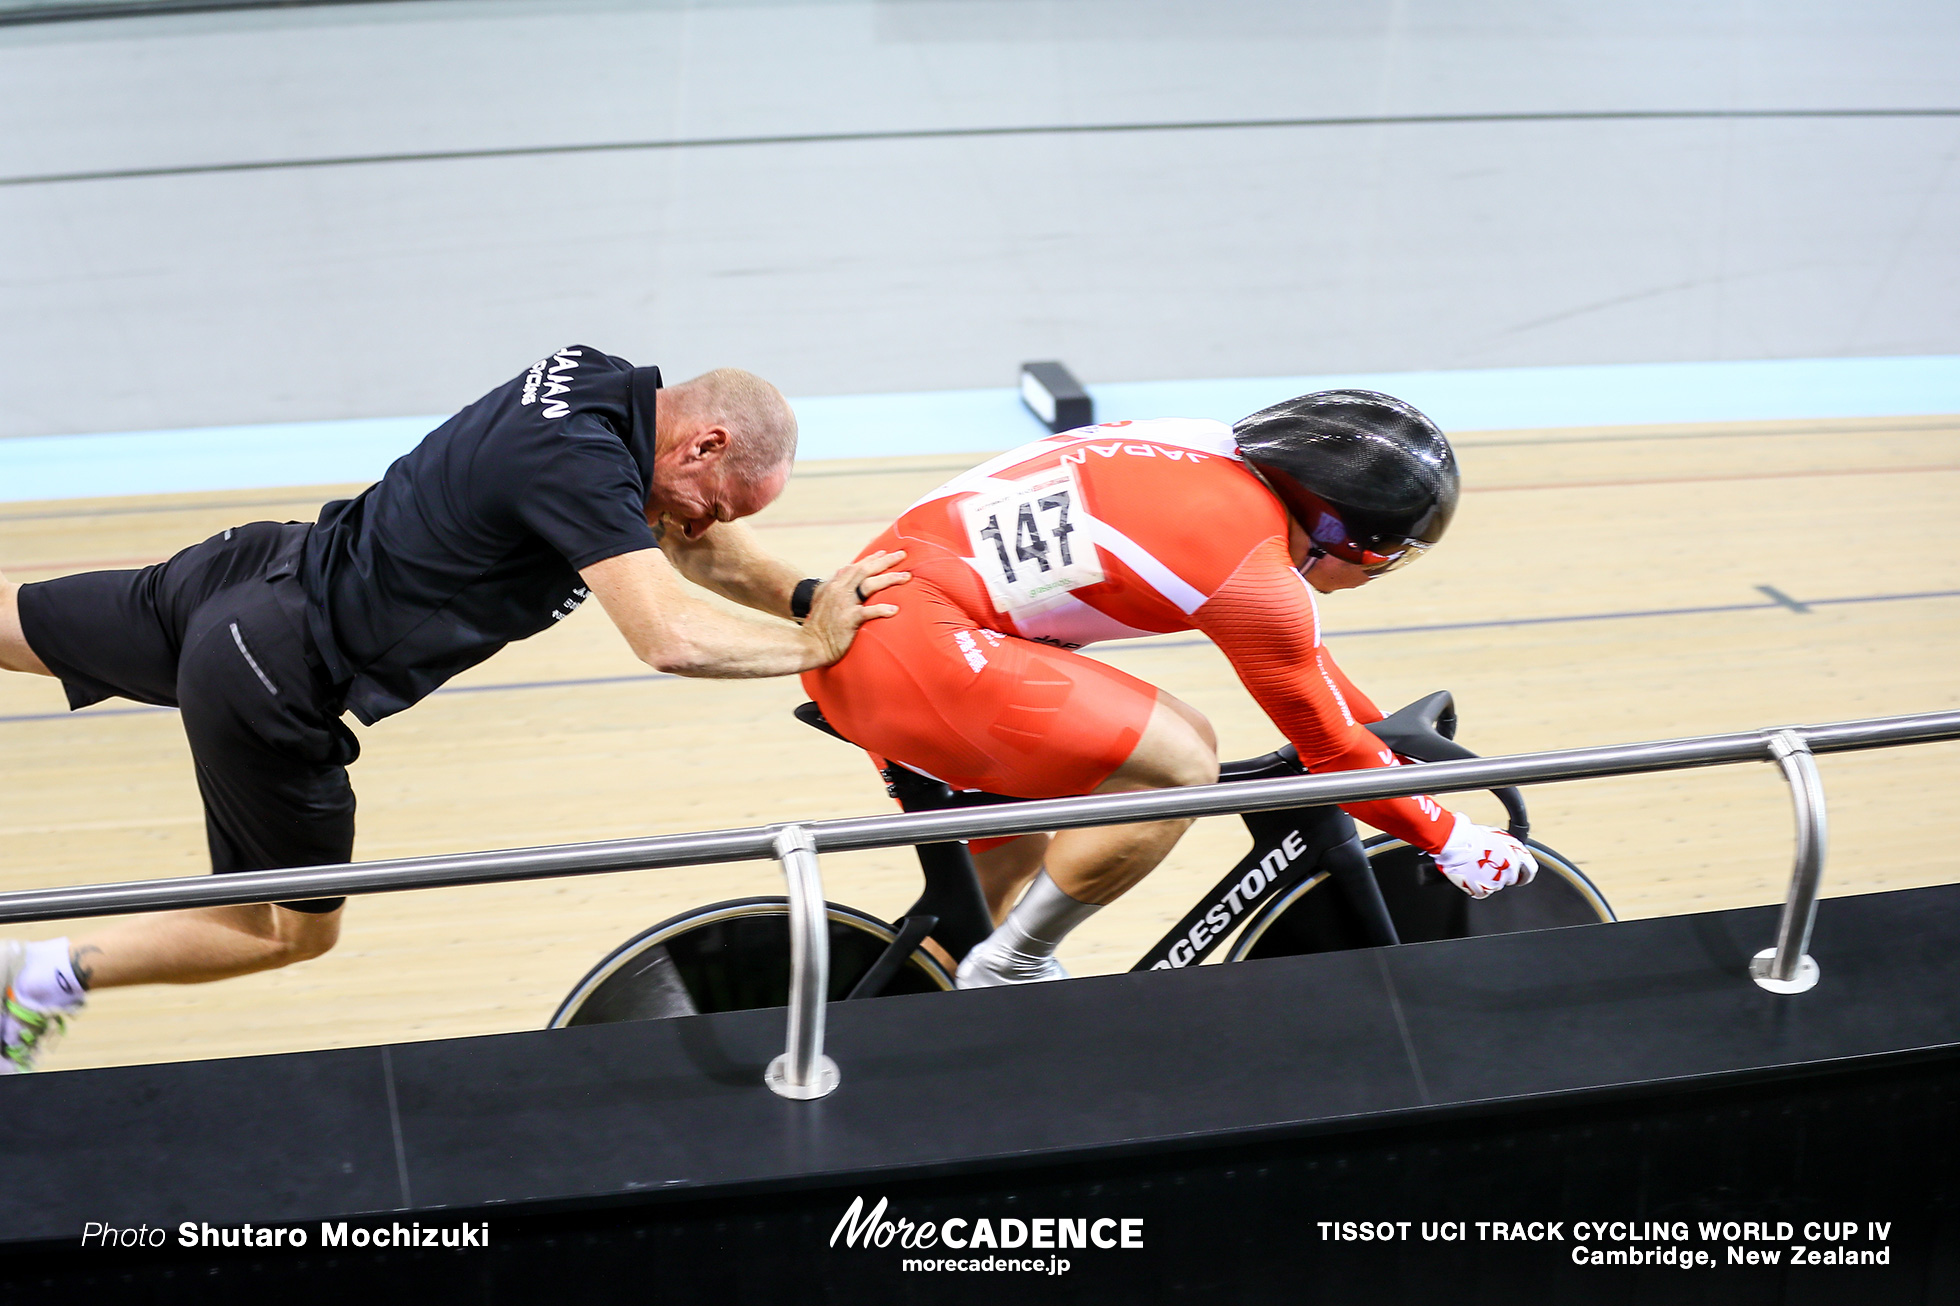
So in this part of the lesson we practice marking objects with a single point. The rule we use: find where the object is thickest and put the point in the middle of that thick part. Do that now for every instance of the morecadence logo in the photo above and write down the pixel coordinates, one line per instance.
(871, 1228)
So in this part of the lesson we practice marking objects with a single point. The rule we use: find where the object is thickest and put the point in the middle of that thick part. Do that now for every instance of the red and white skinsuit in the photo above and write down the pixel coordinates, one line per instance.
(1108, 532)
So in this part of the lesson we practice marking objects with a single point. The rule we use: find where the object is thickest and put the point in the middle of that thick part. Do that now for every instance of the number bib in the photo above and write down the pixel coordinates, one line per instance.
(1029, 543)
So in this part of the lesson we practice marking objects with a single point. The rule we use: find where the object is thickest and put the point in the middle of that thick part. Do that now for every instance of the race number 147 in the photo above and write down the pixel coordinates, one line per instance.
(1026, 545)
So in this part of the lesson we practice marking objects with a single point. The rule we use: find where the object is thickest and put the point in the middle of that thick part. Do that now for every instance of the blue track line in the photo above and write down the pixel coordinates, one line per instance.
(1649, 612)
(1786, 605)
(1593, 616)
(446, 689)
(966, 422)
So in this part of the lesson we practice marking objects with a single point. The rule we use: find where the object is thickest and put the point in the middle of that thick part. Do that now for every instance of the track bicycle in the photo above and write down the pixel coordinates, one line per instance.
(1308, 884)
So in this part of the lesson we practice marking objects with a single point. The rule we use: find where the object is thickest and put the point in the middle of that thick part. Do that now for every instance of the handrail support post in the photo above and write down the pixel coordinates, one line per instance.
(803, 1072)
(1788, 967)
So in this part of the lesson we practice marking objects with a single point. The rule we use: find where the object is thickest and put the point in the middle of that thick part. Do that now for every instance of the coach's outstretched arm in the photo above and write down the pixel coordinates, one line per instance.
(672, 631)
(728, 559)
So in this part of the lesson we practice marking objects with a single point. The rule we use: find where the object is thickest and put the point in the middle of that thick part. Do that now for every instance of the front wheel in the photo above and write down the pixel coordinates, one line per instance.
(733, 956)
(1314, 916)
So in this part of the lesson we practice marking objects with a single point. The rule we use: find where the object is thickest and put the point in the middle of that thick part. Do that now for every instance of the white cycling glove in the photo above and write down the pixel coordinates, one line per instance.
(1480, 860)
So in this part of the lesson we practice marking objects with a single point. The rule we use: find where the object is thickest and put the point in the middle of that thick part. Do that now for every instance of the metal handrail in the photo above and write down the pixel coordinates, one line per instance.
(1788, 967)
(803, 1072)
(857, 833)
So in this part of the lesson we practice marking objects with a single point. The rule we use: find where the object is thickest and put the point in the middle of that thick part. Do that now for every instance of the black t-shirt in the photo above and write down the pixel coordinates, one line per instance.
(475, 537)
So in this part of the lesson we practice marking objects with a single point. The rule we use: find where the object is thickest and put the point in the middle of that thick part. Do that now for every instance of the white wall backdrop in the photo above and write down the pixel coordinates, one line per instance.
(148, 280)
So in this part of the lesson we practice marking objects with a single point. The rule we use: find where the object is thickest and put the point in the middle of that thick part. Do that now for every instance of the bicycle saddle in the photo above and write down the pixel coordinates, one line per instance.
(811, 715)
(915, 791)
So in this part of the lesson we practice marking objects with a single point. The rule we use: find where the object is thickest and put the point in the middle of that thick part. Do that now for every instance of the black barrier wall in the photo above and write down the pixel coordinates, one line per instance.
(1615, 1098)
(1715, 1176)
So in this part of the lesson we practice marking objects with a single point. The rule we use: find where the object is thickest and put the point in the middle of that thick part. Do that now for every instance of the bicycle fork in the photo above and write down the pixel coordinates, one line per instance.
(1348, 863)
(1287, 847)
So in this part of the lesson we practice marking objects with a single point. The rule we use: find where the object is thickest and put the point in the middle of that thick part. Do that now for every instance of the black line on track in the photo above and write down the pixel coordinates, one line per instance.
(1805, 606)
(572, 683)
(1125, 647)
(969, 133)
(70, 716)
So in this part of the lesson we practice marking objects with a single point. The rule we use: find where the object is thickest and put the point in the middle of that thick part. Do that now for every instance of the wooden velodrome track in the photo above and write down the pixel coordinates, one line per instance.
(1599, 586)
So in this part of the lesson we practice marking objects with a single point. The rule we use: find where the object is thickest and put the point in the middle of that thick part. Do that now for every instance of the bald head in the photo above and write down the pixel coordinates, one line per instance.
(761, 428)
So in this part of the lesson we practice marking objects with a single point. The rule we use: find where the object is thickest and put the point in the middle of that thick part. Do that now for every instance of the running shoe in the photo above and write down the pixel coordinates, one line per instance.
(25, 1032)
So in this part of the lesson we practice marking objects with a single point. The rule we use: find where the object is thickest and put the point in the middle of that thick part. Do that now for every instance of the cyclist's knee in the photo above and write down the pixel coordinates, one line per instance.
(1197, 765)
(1178, 748)
(1198, 721)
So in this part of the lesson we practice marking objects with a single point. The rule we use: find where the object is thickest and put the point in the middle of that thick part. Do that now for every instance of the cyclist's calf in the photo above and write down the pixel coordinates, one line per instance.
(1088, 868)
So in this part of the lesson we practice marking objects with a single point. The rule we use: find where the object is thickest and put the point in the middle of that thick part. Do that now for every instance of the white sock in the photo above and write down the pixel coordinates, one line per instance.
(1043, 918)
(47, 979)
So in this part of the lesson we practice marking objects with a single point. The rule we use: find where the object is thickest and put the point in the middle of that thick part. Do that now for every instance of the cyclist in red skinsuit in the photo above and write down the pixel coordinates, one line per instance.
(1108, 532)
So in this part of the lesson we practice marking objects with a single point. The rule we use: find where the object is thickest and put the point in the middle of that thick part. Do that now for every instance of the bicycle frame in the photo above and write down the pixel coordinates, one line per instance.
(1288, 847)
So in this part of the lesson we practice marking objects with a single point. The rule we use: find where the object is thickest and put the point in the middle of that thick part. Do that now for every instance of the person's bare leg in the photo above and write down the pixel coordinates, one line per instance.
(1005, 871)
(15, 655)
(1086, 869)
(202, 944)
(1097, 865)
(48, 980)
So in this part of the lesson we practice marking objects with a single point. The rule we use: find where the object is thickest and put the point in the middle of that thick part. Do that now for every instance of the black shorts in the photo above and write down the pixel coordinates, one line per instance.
(219, 631)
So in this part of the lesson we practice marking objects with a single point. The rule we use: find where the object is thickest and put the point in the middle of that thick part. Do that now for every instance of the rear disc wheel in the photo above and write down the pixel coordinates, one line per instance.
(733, 956)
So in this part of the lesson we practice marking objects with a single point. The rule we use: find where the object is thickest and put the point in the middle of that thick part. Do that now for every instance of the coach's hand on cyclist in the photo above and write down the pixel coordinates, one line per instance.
(1480, 860)
(842, 603)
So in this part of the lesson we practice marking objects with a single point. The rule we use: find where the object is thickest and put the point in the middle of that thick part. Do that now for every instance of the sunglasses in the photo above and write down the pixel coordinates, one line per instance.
(1375, 564)
(1330, 540)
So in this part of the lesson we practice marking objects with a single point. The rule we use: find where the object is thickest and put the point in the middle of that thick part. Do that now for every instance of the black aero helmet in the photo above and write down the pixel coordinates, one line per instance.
(1372, 480)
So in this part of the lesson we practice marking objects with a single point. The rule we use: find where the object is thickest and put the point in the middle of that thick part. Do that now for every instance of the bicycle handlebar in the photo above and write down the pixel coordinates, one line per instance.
(1425, 730)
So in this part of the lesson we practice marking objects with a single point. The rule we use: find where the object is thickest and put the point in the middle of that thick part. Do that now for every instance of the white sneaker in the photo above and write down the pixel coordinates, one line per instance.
(993, 963)
(25, 1032)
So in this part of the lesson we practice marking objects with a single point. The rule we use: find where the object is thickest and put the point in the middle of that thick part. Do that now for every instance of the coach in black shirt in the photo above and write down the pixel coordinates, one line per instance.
(579, 477)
